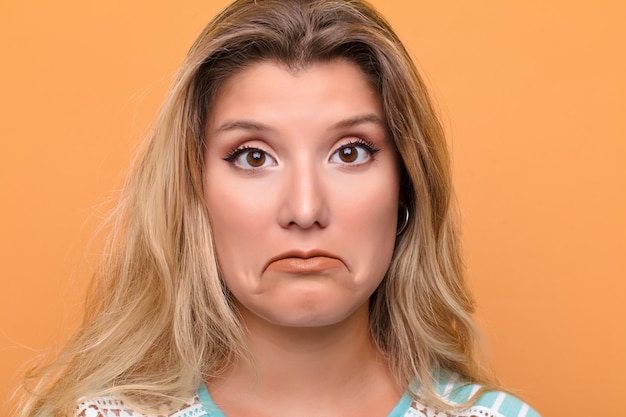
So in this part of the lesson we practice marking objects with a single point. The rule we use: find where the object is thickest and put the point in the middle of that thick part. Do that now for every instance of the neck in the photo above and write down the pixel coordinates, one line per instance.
(331, 366)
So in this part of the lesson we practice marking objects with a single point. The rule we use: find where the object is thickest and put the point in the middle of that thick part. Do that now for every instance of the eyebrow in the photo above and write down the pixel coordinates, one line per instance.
(251, 125)
(242, 124)
(361, 119)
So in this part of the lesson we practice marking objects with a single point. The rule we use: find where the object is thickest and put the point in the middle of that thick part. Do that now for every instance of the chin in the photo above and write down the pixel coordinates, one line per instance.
(309, 320)
(309, 314)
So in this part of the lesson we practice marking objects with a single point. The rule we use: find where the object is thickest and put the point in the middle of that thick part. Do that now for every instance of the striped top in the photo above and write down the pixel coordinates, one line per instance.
(490, 404)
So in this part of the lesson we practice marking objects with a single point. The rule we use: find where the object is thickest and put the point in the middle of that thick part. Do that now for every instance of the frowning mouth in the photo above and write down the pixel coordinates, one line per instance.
(296, 262)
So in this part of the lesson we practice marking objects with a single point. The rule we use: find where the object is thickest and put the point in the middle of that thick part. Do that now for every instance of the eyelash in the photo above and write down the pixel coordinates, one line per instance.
(368, 146)
(238, 151)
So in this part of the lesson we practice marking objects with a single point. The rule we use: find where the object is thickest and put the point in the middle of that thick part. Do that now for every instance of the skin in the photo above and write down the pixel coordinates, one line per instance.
(301, 185)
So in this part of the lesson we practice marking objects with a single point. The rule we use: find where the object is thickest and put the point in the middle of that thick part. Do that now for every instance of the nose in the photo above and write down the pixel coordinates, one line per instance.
(304, 198)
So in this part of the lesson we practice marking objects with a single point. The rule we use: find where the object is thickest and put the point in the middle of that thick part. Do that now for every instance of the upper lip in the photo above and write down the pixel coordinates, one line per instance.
(303, 254)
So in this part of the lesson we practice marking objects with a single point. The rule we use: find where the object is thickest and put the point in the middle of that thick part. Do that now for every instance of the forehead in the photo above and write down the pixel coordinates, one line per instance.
(273, 89)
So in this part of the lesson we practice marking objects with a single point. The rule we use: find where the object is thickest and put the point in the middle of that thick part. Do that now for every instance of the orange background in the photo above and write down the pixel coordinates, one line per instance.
(533, 96)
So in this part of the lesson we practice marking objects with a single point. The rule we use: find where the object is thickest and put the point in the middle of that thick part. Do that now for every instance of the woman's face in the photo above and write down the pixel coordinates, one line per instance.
(301, 184)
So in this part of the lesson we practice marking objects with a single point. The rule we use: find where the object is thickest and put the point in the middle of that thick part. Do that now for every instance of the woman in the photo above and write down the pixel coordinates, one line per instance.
(285, 245)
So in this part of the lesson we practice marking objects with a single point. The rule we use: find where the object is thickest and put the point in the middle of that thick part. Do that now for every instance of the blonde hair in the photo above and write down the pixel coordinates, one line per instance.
(158, 320)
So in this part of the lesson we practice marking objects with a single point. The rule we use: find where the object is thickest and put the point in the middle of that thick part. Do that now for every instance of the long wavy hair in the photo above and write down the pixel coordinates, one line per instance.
(158, 319)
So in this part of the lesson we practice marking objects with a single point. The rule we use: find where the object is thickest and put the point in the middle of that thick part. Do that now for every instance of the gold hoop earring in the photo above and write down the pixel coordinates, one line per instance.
(405, 220)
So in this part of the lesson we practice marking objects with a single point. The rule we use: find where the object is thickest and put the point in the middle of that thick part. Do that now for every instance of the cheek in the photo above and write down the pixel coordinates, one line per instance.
(237, 227)
(369, 227)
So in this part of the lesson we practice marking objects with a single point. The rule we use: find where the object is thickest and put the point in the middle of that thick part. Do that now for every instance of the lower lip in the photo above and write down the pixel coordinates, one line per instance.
(312, 265)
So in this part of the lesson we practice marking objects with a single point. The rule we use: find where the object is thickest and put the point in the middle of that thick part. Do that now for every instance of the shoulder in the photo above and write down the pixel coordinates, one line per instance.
(502, 404)
(109, 406)
(489, 404)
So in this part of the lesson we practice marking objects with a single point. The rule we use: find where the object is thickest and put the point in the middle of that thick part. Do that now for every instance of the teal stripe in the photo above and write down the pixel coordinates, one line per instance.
(532, 413)
(510, 407)
(210, 409)
(488, 399)
(461, 393)
(461, 389)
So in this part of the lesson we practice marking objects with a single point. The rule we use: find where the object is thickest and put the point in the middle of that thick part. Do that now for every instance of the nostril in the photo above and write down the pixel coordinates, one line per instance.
(304, 208)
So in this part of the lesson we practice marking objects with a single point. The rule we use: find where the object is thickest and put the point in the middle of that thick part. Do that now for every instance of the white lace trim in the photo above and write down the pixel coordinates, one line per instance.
(112, 407)
(419, 410)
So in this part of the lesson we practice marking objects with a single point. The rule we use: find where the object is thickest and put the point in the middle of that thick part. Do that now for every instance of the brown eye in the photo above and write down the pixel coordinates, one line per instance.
(255, 159)
(355, 153)
(250, 158)
(348, 154)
